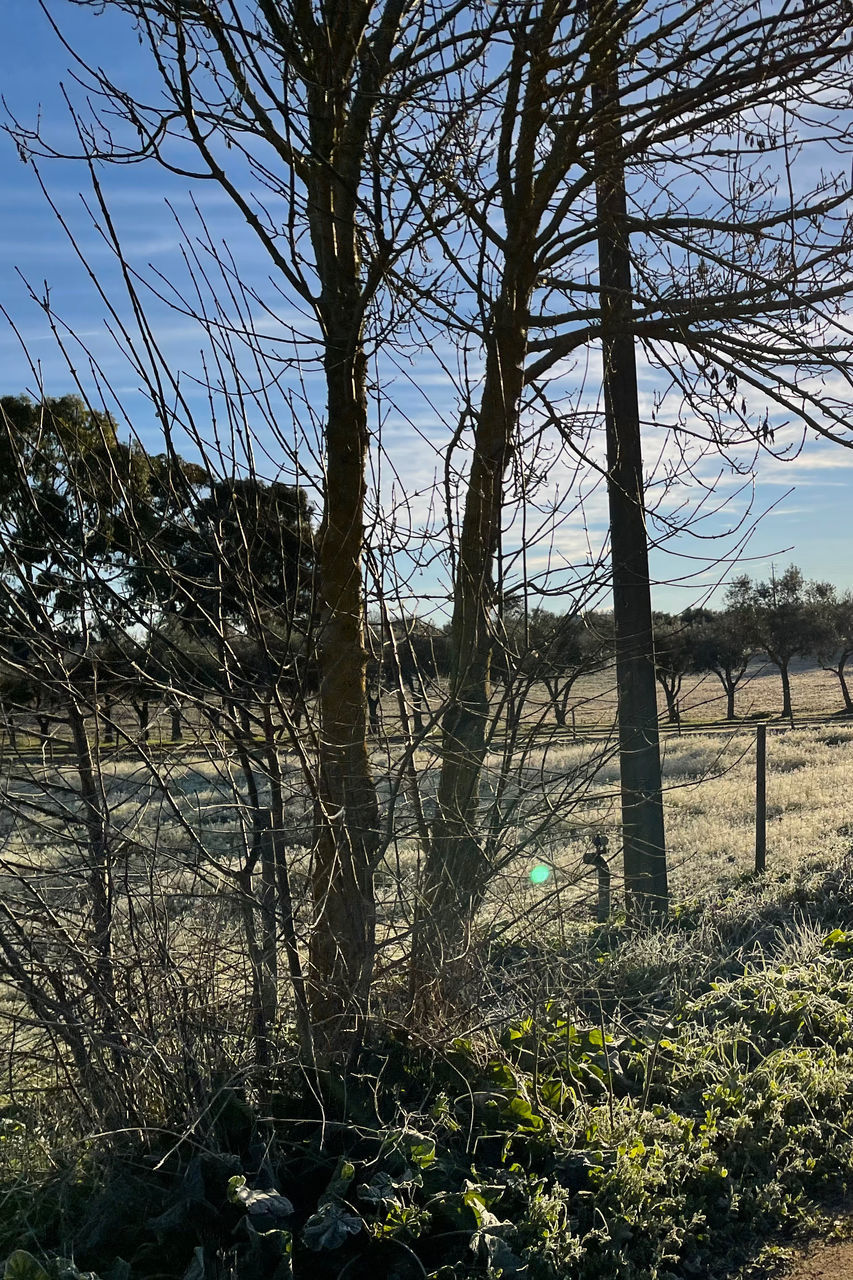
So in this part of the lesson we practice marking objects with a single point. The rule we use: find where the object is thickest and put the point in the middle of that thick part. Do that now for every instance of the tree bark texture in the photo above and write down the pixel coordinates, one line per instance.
(787, 706)
(639, 750)
(456, 870)
(342, 945)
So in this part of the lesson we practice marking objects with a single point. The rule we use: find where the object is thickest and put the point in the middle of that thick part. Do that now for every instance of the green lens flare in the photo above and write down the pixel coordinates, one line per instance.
(539, 874)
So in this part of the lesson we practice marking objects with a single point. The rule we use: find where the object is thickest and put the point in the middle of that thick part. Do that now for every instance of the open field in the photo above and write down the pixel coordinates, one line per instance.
(185, 874)
(185, 811)
(709, 780)
(815, 692)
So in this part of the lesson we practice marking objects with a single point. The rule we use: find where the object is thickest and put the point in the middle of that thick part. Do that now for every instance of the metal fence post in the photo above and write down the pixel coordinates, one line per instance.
(597, 857)
(760, 797)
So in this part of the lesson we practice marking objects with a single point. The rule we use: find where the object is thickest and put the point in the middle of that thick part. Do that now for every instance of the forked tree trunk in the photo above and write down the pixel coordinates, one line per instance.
(730, 681)
(671, 689)
(143, 715)
(558, 703)
(643, 843)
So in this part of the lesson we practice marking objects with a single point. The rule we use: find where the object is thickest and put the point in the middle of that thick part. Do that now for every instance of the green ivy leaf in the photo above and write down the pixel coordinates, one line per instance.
(340, 1181)
(523, 1114)
(421, 1150)
(330, 1227)
(21, 1265)
(269, 1204)
(385, 1189)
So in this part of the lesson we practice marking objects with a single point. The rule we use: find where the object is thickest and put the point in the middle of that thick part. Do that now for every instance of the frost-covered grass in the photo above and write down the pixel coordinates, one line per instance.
(710, 803)
(709, 799)
(702, 700)
(189, 824)
(627, 1103)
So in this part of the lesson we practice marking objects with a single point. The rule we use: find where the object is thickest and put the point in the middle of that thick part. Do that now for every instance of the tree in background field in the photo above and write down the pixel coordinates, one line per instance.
(67, 488)
(674, 657)
(834, 645)
(569, 646)
(781, 618)
(207, 539)
(722, 645)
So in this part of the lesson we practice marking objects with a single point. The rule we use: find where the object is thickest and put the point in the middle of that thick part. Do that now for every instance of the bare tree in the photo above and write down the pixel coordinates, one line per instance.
(673, 658)
(615, 139)
(304, 98)
(580, 185)
(834, 644)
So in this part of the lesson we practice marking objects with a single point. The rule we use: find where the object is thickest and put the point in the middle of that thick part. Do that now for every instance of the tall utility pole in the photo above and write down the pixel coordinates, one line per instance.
(639, 749)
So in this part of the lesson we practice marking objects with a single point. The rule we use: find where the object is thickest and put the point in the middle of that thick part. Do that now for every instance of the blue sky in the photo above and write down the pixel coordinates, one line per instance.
(807, 500)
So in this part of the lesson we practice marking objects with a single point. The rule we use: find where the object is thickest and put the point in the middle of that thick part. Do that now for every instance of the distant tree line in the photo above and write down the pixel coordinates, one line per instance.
(783, 618)
(140, 581)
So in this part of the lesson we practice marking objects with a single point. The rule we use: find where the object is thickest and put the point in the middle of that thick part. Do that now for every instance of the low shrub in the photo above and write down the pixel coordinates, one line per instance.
(650, 1142)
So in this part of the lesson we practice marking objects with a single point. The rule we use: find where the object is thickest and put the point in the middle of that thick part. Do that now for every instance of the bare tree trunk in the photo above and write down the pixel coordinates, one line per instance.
(417, 709)
(269, 933)
(102, 987)
(99, 862)
(845, 692)
(373, 713)
(456, 870)
(671, 690)
(558, 703)
(284, 896)
(644, 849)
(787, 706)
(263, 992)
(342, 948)
(143, 715)
(263, 951)
(109, 723)
(244, 719)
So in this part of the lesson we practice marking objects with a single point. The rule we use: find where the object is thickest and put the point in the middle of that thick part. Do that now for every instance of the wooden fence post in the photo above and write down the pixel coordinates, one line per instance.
(760, 797)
